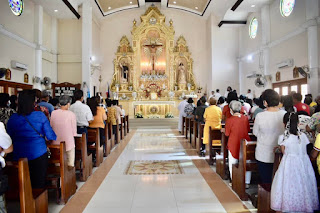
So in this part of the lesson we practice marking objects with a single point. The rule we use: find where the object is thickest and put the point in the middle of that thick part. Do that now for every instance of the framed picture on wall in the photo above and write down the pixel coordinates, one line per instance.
(26, 78)
(8, 74)
(278, 76)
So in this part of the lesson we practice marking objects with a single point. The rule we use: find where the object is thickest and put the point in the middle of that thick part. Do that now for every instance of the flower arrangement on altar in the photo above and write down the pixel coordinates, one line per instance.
(169, 115)
(139, 115)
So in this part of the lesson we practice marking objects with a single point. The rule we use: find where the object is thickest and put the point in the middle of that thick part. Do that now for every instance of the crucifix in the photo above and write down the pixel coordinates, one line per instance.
(153, 49)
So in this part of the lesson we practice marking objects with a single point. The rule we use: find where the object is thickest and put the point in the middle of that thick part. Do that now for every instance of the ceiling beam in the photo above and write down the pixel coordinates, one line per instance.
(236, 5)
(72, 9)
(231, 22)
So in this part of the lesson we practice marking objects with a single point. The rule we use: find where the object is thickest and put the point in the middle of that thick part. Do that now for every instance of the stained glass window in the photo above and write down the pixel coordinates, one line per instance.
(253, 28)
(286, 7)
(16, 6)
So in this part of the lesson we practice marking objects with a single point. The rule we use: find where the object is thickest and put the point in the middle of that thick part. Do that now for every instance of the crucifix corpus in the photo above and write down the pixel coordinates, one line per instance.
(153, 49)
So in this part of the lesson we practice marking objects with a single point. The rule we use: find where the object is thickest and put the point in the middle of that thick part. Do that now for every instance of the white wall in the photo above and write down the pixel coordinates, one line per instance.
(225, 50)
(191, 26)
(23, 26)
(295, 47)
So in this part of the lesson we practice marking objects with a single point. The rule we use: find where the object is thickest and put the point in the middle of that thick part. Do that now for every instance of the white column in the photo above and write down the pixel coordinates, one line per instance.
(38, 25)
(265, 31)
(241, 91)
(54, 44)
(312, 12)
(86, 45)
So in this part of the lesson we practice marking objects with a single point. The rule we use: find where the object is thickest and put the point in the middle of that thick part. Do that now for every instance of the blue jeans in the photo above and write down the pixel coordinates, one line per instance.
(81, 130)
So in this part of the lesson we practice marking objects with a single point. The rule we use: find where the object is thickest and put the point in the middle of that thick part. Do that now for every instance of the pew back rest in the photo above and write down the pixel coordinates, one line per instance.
(81, 148)
(94, 136)
(215, 134)
(247, 153)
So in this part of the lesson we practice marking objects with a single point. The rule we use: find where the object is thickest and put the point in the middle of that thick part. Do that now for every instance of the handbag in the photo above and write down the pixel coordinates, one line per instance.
(41, 135)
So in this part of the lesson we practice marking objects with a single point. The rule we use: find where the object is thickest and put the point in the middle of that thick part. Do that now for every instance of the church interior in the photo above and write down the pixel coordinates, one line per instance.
(141, 93)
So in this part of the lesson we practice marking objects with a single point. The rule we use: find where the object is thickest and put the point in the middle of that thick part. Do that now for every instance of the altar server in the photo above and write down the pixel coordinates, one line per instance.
(182, 114)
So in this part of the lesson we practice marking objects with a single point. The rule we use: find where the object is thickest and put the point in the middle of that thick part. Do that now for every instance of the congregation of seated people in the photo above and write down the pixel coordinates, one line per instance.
(285, 126)
(32, 122)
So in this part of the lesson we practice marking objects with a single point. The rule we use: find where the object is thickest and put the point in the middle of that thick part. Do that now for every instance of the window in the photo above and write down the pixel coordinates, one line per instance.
(16, 6)
(286, 87)
(253, 28)
(286, 7)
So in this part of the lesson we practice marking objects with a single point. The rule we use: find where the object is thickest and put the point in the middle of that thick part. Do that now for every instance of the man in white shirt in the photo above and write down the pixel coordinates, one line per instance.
(217, 95)
(182, 114)
(212, 95)
(118, 110)
(249, 95)
(82, 111)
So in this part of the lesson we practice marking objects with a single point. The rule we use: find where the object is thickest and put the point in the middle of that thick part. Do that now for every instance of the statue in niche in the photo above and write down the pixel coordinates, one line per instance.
(124, 72)
(181, 74)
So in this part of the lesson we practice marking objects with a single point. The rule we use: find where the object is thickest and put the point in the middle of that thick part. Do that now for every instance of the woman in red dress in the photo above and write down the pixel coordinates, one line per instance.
(237, 128)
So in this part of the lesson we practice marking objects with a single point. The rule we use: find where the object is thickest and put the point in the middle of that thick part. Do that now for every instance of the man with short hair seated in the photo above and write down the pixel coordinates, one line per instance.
(44, 101)
(82, 111)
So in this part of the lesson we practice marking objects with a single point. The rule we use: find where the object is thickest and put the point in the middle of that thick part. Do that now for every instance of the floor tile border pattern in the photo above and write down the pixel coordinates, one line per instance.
(82, 197)
(229, 201)
(177, 167)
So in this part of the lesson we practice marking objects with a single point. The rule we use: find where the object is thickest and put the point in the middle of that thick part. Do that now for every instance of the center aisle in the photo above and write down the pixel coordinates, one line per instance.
(155, 174)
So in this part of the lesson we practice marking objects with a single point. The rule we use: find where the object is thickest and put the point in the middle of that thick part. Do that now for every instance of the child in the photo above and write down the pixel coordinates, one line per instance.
(294, 187)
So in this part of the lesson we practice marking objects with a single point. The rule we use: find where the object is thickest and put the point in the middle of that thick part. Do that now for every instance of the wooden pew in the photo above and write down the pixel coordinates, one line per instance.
(31, 200)
(94, 145)
(221, 163)
(117, 133)
(111, 136)
(247, 153)
(264, 190)
(200, 138)
(214, 134)
(191, 126)
(125, 125)
(62, 178)
(194, 134)
(183, 125)
(187, 126)
(107, 141)
(83, 161)
(127, 120)
(122, 129)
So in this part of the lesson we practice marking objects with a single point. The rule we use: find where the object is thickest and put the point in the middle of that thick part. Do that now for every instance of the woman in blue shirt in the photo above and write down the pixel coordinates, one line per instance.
(28, 130)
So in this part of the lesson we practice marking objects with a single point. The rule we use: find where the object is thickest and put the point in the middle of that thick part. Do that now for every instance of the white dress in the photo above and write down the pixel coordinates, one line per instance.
(294, 187)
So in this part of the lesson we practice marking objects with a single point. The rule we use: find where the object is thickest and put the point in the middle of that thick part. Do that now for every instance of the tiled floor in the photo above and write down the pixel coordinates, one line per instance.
(182, 193)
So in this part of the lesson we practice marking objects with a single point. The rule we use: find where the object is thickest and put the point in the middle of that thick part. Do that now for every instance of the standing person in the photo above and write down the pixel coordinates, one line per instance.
(14, 102)
(189, 108)
(237, 128)
(82, 111)
(221, 102)
(44, 101)
(182, 114)
(232, 96)
(294, 187)
(199, 112)
(297, 98)
(40, 108)
(268, 125)
(112, 117)
(55, 103)
(64, 124)
(229, 89)
(99, 116)
(249, 95)
(217, 94)
(29, 130)
(5, 110)
(212, 117)
(260, 108)
(212, 95)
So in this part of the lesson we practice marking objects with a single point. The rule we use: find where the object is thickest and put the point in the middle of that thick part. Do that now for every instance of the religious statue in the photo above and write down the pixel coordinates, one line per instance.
(124, 72)
(181, 74)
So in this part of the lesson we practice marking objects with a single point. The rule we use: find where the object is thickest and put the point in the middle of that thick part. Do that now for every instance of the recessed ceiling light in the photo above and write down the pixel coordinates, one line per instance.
(253, 5)
(196, 8)
(174, 2)
(109, 8)
(130, 2)
(55, 10)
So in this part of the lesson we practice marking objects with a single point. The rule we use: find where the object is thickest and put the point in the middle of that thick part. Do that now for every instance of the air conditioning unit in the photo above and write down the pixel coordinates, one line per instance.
(18, 65)
(285, 64)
